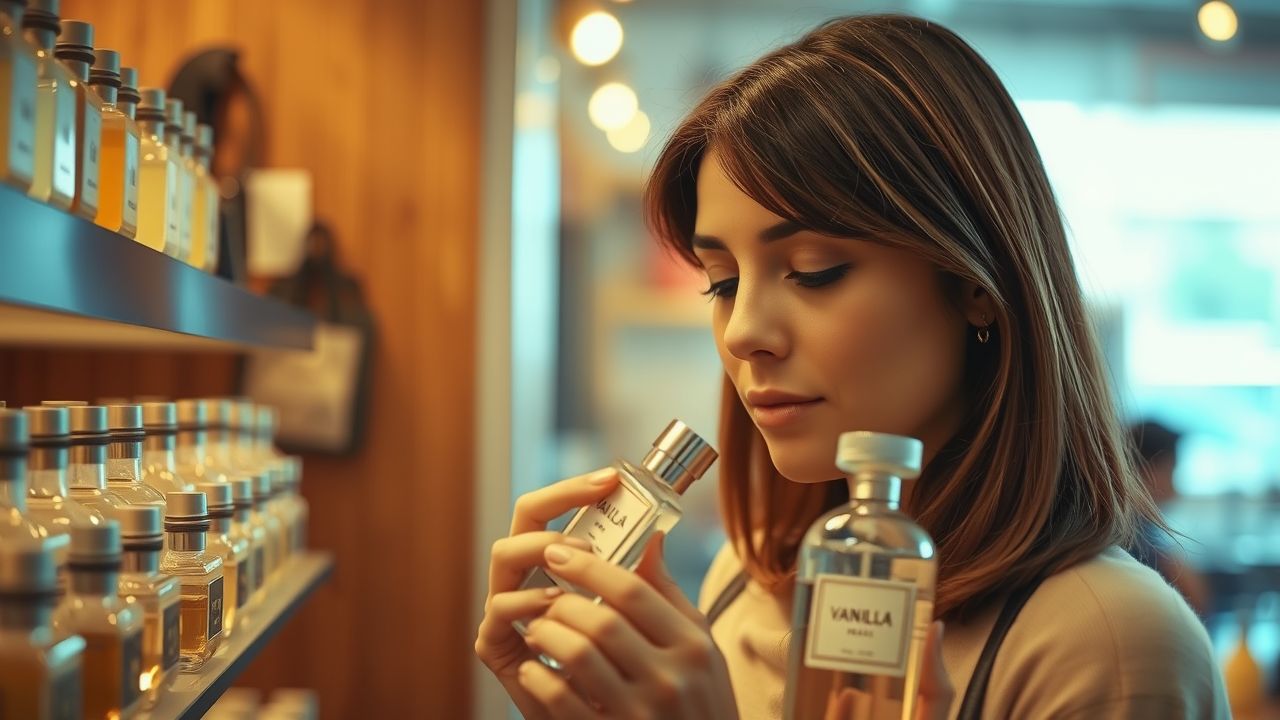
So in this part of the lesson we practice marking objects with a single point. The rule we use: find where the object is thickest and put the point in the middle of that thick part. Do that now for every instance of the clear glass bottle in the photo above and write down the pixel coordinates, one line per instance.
(186, 522)
(208, 202)
(242, 531)
(18, 78)
(54, 180)
(256, 449)
(49, 502)
(301, 508)
(15, 526)
(111, 627)
(157, 594)
(192, 455)
(125, 474)
(233, 548)
(864, 593)
(118, 165)
(159, 457)
(647, 500)
(40, 667)
(157, 177)
(223, 432)
(179, 151)
(270, 525)
(87, 471)
(75, 50)
(191, 167)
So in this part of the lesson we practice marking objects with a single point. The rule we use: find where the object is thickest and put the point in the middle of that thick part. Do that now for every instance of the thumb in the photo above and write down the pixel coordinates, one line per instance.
(654, 571)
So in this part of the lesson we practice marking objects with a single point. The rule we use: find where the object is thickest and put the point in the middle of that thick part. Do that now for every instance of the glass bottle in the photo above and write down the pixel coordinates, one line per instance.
(233, 548)
(192, 455)
(301, 508)
(15, 526)
(159, 460)
(199, 571)
(40, 667)
(118, 166)
(49, 502)
(18, 78)
(208, 202)
(647, 500)
(87, 471)
(111, 627)
(157, 177)
(270, 526)
(157, 594)
(864, 592)
(75, 50)
(252, 577)
(125, 475)
(179, 144)
(256, 448)
(54, 180)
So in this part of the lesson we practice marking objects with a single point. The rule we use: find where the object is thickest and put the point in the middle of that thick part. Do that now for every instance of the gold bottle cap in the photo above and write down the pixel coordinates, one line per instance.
(13, 433)
(47, 425)
(95, 544)
(242, 492)
(140, 523)
(160, 418)
(28, 568)
(680, 456)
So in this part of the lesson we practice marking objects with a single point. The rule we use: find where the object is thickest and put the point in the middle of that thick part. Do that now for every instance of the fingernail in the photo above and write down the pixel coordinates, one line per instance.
(558, 554)
(554, 591)
(601, 477)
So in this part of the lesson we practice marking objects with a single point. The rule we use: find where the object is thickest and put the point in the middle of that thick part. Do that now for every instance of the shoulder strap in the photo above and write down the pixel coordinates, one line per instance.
(727, 596)
(976, 693)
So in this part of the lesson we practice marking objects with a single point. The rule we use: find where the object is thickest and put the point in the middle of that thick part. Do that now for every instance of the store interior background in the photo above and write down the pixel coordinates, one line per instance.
(529, 329)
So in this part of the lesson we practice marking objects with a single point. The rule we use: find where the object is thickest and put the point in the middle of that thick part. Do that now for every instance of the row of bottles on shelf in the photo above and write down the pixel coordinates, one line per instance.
(77, 133)
(134, 539)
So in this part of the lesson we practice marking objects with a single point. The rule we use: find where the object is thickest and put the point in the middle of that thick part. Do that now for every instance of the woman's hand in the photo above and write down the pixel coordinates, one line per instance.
(645, 652)
(498, 645)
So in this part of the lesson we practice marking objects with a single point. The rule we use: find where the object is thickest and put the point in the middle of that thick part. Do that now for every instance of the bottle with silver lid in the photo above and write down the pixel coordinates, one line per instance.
(55, 147)
(199, 571)
(157, 176)
(159, 457)
(118, 165)
(263, 519)
(243, 528)
(15, 526)
(301, 509)
(208, 200)
(157, 594)
(87, 470)
(49, 501)
(40, 668)
(225, 419)
(75, 49)
(125, 474)
(234, 549)
(647, 500)
(128, 98)
(192, 457)
(111, 626)
(180, 146)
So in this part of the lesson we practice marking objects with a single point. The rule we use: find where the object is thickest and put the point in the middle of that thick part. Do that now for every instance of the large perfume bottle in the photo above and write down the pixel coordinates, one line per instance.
(111, 627)
(159, 459)
(174, 125)
(49, 502)
(118, 165)
(75, 50)
(54, 180)
(15, 526)
(18, 77)
(250, 576)
(208, 203)
(157, 594)
(233, 547)
(87, 471)
(199, 571)
(647, 500)
(125, 475)
(864, 593)
(157, 177)
(40, 667)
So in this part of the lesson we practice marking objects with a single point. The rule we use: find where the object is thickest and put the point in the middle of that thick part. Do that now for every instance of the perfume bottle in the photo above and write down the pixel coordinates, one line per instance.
(233, 548)
(191, 458)
(199, 571)
(75, 49)
(189, 167)
(270, 526)
(49, 502)
(54, 180)
(647, 500)
(118, 165)
(87, 471)
(40, 667)
(301, 508)
(159, 460)
(174, 124)
(18, 77)
(15, 526)
(208, 201)
(158, 596)
(157, 177)
(111, 627)
(864, 592)
(224, 418)
(125, 475)
(242, 526)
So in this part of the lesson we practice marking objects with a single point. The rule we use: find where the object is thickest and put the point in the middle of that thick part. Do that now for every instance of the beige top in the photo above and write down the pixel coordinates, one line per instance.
(1105, 639)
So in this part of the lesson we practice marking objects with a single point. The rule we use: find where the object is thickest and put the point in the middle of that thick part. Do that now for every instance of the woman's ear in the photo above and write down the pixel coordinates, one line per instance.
(977, 305)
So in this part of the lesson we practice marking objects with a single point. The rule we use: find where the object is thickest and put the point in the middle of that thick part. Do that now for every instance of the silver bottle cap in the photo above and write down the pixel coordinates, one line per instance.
(75, 42)
(266, 422)
(160, 418)
(142, 523)
(99, 542)
(242, 492)
(88, 424)
(153, 100)
(679, 456)
(28, 568)
(47, 425)
(125, 422)
(218, 495)
(13, 432)
(192, 414)
(262, 486)
(879, 453)
(204, 137)
(220, 412)
(42, 15)
(129, 80)
(186, 512)
(173, 110)
(244, 416)
(189, 123)
(106, 68)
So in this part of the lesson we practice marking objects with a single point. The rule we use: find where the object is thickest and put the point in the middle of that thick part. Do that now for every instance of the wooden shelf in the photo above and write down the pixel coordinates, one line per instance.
(192, 694)
(67, 282)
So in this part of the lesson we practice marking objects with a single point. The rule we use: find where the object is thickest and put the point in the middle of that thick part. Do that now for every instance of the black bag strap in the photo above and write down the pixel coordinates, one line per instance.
(976, 693)
(726, 597)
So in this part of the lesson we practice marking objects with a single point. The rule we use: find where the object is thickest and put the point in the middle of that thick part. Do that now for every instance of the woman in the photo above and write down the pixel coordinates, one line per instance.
(884, 253)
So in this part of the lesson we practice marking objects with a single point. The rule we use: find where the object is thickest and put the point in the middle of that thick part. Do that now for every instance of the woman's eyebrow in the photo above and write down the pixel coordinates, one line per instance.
(773, 233)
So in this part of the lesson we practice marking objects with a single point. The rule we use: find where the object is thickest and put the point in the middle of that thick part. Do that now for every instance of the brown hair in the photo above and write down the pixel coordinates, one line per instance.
(892, 127)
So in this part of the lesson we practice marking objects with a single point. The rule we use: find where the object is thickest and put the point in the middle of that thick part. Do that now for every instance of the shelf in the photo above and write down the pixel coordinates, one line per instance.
(193, 694)
(67, 282)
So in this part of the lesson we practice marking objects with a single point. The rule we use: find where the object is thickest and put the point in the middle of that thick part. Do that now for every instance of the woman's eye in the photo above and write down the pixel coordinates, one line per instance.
(722, 289)
(821, 277)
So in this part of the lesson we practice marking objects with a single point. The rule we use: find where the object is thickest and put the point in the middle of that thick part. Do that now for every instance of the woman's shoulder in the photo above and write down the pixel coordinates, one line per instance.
(1109, 637)
(724, 567)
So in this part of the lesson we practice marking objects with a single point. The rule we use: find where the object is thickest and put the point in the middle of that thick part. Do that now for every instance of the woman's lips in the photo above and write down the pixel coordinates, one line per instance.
(780, 415)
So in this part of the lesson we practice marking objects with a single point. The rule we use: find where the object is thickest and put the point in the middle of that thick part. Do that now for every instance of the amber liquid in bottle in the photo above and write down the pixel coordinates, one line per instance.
(200, 573)
(118, 185)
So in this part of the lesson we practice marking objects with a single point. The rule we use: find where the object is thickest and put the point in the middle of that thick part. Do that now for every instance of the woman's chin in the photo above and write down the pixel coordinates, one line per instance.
(804, 468)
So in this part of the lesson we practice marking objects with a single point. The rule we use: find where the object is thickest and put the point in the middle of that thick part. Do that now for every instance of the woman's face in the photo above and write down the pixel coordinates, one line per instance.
(822, 335)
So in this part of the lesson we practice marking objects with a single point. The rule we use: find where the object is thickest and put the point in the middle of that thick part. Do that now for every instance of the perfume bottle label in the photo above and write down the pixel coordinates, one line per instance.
(22, 116)
(858, 625)
(172, 638)
(65, 692)
(89, 158)
(610, 524)
(131, 665)
(215, 608)
(130, 179)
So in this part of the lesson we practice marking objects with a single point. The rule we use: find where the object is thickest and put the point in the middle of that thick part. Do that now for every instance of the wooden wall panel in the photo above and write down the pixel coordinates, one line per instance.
(381, 102)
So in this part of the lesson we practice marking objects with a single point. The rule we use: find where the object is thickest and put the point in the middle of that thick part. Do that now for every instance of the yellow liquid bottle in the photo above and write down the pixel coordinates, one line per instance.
(199, 571)
(208, 199)
(17, 99)
(233, 548)
(157, 177)
(141, 582)
(118, 166)
(174, 127)
(54, 181)
(75, 50)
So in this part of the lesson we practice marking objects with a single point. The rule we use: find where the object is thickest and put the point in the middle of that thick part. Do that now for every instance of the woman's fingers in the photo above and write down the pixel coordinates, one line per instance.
(505, 608)
(583, 662)
(619, 641)
(511, 558)
(554, 692)
(535, 509)
(936, 691)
